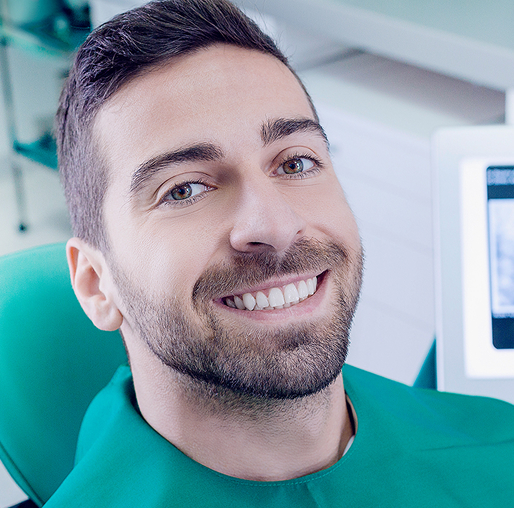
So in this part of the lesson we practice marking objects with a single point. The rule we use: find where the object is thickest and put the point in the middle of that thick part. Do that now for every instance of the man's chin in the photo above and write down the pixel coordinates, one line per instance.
(271, 390)
(288, 363)
(293, 386)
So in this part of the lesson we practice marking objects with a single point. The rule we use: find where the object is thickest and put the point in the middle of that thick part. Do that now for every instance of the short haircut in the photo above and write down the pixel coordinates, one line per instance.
(125, 47)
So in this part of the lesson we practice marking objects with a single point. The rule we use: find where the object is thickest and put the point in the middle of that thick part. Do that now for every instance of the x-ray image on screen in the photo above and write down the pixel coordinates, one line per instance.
(500, 209)
(501, 238)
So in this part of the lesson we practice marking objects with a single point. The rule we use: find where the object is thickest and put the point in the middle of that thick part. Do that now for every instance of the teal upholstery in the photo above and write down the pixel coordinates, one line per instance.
(53, 361)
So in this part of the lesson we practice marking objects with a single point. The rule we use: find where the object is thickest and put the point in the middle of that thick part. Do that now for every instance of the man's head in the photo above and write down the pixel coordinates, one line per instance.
(220, 199)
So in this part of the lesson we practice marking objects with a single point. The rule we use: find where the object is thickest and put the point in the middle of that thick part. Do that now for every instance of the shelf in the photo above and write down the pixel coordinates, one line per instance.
(43, 151)
(42, 38)
(49, 47)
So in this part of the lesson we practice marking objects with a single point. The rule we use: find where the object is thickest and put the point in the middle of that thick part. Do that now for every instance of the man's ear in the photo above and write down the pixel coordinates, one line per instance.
(93, 285)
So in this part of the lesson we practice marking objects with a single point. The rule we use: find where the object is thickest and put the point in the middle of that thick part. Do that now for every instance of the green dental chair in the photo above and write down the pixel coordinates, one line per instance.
(53, 361)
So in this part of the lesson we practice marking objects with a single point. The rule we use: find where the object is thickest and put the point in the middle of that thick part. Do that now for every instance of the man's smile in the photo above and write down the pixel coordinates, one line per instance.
(276, 297)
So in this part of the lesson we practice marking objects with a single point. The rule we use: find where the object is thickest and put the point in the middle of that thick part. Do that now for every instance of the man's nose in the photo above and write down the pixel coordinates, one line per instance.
(264, 219)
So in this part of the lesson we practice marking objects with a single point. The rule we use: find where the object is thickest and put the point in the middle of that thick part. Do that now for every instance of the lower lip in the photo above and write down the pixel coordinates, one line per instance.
(307, 306)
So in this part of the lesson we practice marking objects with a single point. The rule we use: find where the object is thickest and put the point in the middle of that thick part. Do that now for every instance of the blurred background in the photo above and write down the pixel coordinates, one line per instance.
(384, 76)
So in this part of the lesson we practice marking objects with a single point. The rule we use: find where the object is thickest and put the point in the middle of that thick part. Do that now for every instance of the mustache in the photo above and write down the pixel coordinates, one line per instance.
(250, 269)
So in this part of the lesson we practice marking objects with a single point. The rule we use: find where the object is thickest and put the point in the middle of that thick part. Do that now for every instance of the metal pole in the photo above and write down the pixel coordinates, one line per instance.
(11, 131)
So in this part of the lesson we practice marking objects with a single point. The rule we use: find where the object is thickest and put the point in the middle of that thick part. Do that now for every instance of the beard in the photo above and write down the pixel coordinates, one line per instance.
(209, 349)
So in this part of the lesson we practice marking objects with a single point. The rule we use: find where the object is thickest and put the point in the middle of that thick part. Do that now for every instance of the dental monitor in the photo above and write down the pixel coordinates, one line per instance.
(474, 248)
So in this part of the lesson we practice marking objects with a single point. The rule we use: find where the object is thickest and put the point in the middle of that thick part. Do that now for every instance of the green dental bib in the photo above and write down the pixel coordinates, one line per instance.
(413, 447)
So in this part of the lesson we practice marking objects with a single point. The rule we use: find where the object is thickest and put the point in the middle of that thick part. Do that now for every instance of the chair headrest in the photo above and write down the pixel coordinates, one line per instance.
(53, 361)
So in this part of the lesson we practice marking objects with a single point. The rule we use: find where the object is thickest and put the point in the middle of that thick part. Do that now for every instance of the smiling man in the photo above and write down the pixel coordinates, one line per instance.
(220, 206)
(211, 230)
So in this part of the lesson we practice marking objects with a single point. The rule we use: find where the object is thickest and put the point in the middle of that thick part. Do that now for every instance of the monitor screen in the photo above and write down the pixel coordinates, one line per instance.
(474, 229)
(487, 253)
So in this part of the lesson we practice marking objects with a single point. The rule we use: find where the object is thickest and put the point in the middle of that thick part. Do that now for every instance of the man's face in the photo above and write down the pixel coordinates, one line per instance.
(222, 200)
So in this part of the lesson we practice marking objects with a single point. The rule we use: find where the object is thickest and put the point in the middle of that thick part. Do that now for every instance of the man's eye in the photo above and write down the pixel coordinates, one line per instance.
(185, 191)
(294, 166)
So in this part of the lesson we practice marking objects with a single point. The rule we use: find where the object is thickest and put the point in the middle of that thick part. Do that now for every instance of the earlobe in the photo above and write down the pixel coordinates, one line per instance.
(93, 285)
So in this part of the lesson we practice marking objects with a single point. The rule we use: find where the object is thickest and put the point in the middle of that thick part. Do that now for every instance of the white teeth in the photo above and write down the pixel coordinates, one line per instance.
(262, 301)
(249, 301)
(291, 294)
(311, 285)
(239, 303)
(277, 298)
(303, 292)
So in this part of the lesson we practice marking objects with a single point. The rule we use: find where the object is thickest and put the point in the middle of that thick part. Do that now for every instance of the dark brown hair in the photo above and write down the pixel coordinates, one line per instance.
(115, 53)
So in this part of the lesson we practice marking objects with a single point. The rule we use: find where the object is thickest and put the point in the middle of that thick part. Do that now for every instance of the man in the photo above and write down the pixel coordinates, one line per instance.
(213, 233)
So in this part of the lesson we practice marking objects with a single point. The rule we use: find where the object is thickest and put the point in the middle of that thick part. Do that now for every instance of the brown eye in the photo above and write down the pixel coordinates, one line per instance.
(182, 192)
(186, 193)
(293, 166)
(297, 165)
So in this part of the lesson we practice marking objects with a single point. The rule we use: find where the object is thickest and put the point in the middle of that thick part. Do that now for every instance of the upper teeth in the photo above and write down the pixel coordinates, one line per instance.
(278, 297)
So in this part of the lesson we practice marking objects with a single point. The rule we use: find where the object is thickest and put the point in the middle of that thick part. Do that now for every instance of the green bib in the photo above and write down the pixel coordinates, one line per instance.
(413, 447)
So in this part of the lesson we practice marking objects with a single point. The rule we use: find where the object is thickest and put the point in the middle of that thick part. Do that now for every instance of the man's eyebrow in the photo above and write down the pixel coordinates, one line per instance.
(273, 130)
(199, 152)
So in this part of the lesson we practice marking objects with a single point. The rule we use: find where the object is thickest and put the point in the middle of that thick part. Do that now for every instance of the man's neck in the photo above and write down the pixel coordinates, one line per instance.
(249, 438)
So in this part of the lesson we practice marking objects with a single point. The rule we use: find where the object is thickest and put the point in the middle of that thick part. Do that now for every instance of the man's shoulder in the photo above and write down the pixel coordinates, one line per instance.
(448, 418)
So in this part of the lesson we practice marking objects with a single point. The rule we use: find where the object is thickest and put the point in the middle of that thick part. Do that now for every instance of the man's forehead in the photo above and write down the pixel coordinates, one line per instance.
(214, 60)
(193, 97)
